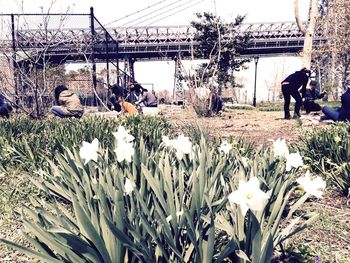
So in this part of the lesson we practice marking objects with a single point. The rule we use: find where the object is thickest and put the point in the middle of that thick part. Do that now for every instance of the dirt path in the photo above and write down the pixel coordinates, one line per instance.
(254, 125)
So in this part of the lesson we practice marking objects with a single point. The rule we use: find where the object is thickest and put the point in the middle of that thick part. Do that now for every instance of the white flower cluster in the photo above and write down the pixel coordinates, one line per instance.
(124, 151)
(250, 196)
(125, 148)
(182, 145)
(280, 149)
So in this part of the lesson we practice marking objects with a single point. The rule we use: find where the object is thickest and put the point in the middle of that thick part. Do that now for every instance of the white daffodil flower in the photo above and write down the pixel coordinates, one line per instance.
(314, 186)
(245, 161)
(124, 151)
(293, 160)
(123, 135)
(89, 151)
(225, 147)
(249, 196)
(183, 145)
(280, 148)
(167, 142)
(128, 186)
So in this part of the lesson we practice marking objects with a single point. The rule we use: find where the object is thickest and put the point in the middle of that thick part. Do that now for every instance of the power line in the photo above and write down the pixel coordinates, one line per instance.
(138, 11)
(159, 9)
(174, 13)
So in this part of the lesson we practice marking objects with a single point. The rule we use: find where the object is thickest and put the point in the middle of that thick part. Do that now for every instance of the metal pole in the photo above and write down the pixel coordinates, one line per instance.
(92, 58)
(107, 57)
(14, 57)
(118, 73)
(256, 59)
(175, 75)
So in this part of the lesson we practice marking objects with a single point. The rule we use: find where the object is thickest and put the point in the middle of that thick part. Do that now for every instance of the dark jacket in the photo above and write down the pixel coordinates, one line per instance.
(149, 99)
(344, 110)
(313, 94)
(5, 107)
(296, 80)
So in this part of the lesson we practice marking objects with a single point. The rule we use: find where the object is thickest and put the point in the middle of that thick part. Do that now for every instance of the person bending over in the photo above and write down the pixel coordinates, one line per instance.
(69, 104)
(118, 103)
(148, 99)
(290, 87)
(134, 92)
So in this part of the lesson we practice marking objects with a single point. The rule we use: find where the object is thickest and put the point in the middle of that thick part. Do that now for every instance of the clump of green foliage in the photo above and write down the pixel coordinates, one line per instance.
(26, 143)
(327, 151)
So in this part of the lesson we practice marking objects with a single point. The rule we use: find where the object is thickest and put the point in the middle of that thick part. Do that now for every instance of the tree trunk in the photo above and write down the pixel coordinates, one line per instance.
(308, 30)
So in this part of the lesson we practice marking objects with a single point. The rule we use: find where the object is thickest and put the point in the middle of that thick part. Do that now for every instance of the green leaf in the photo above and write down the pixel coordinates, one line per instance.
(242, 255)
(89, 230)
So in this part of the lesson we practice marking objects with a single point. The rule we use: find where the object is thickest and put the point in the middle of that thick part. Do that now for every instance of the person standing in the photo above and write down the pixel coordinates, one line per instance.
(69, 104)
(290, 88)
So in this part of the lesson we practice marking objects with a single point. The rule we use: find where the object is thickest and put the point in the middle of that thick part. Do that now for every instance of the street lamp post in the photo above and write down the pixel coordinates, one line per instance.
(256, 59)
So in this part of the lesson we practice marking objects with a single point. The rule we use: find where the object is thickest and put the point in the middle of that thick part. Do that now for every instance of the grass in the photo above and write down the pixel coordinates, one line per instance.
(14, 194)
(329, 236)
(278, 106)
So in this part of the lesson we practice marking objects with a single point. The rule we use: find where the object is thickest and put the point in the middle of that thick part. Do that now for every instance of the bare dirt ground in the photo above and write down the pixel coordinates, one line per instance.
(253, 125)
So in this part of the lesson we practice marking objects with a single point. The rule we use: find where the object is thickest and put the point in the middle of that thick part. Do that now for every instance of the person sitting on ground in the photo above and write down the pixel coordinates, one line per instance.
(148, 99)
(311, 95)
(118, 103)
(134, 92)
(5, 107)
(340, 114)
(215, 103)
(69, 104)
(290, 87)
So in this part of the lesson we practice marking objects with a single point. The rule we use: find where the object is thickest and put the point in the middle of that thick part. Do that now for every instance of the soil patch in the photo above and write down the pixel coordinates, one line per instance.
(253, 125)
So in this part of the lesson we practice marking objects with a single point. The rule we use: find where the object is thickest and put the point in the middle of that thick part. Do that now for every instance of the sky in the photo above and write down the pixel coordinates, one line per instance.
(181, 13)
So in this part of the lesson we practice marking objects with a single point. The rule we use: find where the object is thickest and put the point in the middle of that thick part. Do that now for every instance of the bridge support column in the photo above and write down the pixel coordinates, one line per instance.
(178, 92)
(131, 63)
(129, 73)
(92, 58)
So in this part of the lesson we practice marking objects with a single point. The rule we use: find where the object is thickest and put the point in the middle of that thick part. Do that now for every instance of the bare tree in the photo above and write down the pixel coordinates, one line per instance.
(333, 57)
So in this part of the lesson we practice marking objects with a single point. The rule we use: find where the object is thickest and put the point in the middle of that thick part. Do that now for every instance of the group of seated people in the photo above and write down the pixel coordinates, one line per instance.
(132, 99)
(129, 101)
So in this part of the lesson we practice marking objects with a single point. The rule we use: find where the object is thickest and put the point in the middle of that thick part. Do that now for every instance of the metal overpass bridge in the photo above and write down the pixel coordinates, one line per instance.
(152, 43)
